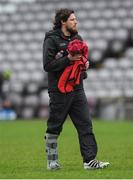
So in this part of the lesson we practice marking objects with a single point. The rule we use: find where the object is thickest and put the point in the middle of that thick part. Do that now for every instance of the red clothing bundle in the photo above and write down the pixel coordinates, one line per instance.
(71, 75)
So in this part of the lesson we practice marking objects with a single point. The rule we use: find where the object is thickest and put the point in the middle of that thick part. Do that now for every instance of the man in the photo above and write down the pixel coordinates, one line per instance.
(55, 60)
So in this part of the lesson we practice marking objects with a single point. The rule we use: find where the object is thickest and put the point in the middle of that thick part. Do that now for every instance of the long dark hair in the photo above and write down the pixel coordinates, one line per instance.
(61, 15)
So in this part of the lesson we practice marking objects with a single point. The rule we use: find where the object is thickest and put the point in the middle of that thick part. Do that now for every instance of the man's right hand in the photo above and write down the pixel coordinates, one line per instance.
(76, 57)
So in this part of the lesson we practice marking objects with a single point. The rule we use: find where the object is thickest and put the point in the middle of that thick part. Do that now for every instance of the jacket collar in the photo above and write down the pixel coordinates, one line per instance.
(66, 37)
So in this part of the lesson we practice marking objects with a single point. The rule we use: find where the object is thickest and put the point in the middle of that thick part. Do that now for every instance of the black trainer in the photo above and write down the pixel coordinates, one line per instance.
(95, 164)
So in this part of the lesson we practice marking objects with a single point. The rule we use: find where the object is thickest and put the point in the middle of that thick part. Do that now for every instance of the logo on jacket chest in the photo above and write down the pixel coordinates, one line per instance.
(62, 45)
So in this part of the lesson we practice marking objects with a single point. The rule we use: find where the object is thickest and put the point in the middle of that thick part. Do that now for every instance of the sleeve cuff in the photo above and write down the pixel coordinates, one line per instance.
(69, 62)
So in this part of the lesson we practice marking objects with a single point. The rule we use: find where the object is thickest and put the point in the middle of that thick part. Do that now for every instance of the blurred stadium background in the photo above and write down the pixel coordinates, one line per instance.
(107, 27)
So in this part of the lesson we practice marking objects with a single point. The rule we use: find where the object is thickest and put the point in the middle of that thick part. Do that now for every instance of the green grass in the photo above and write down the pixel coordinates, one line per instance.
(22, 151)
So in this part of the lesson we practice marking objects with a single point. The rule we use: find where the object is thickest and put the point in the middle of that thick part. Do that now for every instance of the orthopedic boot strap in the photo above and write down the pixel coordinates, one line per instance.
(51, 147)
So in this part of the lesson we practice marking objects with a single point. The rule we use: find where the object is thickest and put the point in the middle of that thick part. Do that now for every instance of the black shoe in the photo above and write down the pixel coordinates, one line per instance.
(94, 164)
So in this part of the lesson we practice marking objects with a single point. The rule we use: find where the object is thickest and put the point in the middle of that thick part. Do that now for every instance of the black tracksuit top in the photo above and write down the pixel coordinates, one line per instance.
(54, 64)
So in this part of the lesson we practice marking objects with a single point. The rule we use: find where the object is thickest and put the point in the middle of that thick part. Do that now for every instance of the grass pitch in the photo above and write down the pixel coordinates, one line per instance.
(22, 151)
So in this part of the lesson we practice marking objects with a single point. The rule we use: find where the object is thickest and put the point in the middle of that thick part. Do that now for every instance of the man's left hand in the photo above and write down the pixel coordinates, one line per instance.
(87, 65)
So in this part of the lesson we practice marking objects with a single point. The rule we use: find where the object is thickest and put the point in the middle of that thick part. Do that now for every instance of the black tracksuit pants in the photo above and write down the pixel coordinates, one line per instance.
(75, 104)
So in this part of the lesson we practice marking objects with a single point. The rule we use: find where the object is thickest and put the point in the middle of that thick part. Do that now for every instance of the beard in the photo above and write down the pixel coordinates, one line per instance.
(71, 31)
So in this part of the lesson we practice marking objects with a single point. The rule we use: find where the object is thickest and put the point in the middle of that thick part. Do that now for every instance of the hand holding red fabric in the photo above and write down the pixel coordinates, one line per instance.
(71, 75)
